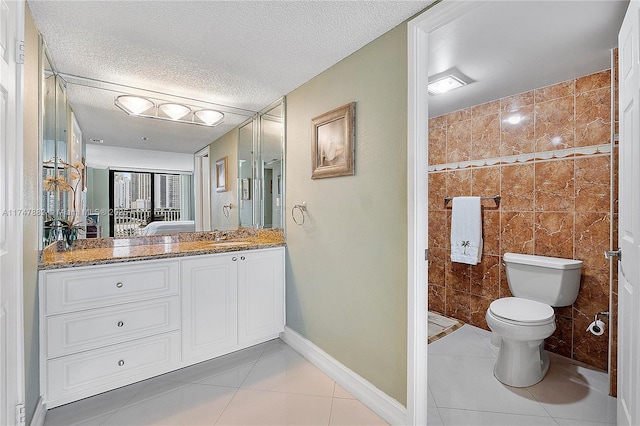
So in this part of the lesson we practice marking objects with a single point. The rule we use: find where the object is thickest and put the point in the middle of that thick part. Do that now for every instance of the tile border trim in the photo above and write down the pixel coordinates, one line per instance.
(377, 401)
(524, 158)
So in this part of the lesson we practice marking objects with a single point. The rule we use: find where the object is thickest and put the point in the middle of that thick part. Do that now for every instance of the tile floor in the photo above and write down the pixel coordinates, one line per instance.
(463, 391)
(267, 384)
(271, 384)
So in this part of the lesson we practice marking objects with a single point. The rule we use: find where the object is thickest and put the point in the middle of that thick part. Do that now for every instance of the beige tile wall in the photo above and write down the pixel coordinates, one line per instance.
(552, 207)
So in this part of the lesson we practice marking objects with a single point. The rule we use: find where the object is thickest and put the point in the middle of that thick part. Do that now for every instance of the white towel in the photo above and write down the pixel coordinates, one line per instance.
(466, 230)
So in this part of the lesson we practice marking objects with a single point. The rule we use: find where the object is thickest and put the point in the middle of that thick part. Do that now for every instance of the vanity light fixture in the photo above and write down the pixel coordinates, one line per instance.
(142, 107)
(134, 105)
(175, 111)
(208, 116)
(445, 84)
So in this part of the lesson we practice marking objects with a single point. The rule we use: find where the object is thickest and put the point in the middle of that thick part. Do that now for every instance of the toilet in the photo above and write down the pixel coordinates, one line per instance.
(521, 323)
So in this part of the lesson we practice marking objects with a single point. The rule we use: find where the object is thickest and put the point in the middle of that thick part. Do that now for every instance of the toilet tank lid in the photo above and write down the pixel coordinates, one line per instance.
(544, 261)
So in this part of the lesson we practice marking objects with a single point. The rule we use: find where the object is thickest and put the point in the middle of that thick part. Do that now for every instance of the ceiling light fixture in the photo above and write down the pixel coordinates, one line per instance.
(445, 84)
(208, 116)
(143, 107)
(175, 111)
(134, 105)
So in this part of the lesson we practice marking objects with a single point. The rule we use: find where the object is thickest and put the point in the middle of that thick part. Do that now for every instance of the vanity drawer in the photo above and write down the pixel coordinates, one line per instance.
(85, 330)
(73, 377)
(98, 286)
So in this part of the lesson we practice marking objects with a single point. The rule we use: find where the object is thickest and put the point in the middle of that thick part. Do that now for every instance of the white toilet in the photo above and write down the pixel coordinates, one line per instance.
(520, 324)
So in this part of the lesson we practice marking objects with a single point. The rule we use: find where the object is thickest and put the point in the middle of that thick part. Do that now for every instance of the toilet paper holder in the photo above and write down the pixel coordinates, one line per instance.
(597, 326)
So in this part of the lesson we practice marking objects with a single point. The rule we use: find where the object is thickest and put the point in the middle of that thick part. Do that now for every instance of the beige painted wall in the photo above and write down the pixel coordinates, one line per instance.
(31, 223)
(346, 266)
(225, 146)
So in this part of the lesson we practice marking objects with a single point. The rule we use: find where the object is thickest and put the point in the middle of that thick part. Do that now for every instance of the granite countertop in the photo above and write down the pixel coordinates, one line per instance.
(101, 251)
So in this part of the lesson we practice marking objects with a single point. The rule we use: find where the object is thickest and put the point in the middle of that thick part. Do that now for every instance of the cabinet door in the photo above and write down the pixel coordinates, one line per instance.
(260, 295)
(209, 306)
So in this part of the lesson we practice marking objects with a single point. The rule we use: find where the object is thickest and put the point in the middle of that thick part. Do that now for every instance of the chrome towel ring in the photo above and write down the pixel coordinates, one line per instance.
(302, 208)
(226, 210)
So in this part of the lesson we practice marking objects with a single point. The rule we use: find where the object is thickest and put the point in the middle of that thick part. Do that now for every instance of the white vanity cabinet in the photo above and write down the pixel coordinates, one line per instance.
(260, 296)
(107, 326)
(231, 301)
(209, 306)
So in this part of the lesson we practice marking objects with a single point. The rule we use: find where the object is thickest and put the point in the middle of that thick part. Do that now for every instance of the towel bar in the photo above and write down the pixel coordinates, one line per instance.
(495, 198)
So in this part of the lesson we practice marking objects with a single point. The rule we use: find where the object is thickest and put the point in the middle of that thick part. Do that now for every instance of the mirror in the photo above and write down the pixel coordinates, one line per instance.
(62, 153)
(246, 191)
(260, 177)
(270, 165)
(252, 151)
(82, 125)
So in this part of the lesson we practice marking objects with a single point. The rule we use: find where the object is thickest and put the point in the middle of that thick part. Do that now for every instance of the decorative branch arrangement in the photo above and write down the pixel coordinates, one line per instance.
(65, 227)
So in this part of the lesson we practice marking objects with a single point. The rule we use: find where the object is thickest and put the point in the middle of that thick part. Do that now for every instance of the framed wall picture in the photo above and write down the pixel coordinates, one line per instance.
(332, 143)
(221, 175)
(246, 189)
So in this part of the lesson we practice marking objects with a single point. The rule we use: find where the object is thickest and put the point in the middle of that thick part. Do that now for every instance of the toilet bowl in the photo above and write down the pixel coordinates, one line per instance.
(520, 327)
(520, 324)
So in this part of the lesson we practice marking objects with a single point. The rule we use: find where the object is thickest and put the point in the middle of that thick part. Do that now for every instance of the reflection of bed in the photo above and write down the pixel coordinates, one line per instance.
(169, 227)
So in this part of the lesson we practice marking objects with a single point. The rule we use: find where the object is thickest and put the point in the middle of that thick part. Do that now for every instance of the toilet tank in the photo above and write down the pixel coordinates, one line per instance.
(549, 280)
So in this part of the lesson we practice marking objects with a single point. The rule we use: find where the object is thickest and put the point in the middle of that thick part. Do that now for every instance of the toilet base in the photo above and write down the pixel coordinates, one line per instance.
(521, 364)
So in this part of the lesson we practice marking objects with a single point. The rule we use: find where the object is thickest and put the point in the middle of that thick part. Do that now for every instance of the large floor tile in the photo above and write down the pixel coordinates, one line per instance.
(571, 422)
(485, 336)
(276, 346)
(468, 383)
(433, 417)
(228, 366)
(353, 412)
(253, 407)
(340, 392)
(175, 404)
(462, 342)
(287, 371)
(452, 417)
(595, 379)
(464, 391)
(430, 401)
(95, 409)
(566, 393)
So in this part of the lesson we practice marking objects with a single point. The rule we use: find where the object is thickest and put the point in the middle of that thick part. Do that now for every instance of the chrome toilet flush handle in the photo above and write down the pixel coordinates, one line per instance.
(613, 253)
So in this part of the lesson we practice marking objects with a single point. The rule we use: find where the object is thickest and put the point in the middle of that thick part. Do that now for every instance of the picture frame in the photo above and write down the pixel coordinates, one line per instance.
(246, 188)
(221, 175)
(332, 143)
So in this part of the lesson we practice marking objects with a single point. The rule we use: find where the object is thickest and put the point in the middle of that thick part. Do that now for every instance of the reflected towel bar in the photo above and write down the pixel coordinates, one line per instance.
(495, 198)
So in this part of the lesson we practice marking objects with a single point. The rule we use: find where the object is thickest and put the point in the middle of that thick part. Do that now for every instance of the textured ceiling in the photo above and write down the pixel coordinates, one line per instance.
(241, 54)
(509, 47)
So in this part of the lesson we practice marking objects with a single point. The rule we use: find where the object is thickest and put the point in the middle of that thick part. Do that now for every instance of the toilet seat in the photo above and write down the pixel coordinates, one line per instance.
(519, 311)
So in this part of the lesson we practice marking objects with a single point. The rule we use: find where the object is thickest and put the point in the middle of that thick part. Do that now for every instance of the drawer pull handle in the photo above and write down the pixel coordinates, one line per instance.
(234, 258)
(120, 323)
(121, 363)
(119, 285)
(241, 257)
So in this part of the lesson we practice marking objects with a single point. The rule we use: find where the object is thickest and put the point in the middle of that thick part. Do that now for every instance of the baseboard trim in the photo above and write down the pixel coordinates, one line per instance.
(39, 415)
(379, 402)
